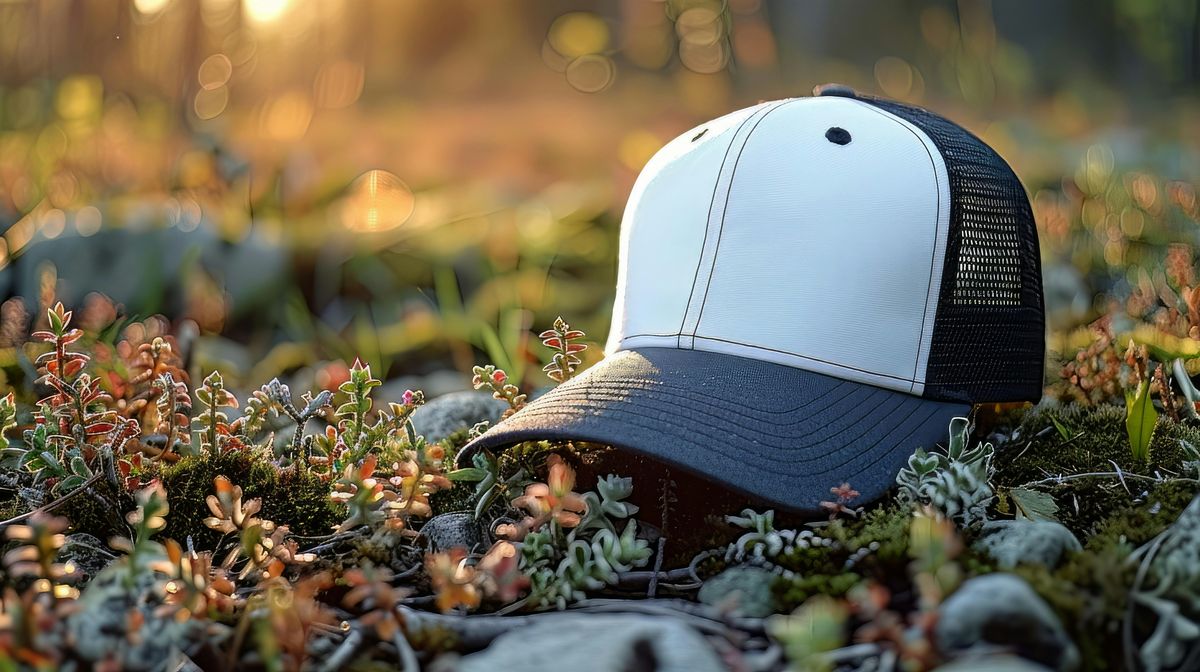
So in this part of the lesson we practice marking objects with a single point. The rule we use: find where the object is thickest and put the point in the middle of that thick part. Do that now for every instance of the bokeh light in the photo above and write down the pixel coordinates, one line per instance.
(578, 34)
(591, 73)
(338, 84)
(88, 220)
(210, 103)
(376, 201)
(288, 116)
(215, 71)
(265, 11)
(150, 7)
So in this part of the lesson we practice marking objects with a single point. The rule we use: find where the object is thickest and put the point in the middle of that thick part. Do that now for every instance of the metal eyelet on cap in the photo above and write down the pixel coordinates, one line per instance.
(838, 135)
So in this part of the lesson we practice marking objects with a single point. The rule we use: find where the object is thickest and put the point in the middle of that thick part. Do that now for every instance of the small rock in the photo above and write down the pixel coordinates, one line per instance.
(992, 663)
(434, 384)
(599, 643)
(449, 530)
(86, 552)
(1002, 610)
(100, 627)
(449, 413)
(747, 590)
(1038, 542)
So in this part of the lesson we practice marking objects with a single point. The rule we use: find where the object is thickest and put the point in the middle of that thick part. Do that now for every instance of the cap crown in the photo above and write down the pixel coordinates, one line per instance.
(905, 258)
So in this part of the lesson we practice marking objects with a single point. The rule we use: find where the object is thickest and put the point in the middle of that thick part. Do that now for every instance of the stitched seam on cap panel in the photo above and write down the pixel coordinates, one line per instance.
(683, 328)
(782, 352)
(725, 208)
(707, 225)
(810, 358)
(937, 223)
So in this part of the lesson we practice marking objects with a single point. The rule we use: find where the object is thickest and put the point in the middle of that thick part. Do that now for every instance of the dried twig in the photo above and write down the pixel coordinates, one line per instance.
(47, 508)
(345, 651)
(472, 633)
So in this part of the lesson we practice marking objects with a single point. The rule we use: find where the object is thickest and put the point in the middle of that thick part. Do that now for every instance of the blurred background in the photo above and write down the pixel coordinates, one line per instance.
(293, 183)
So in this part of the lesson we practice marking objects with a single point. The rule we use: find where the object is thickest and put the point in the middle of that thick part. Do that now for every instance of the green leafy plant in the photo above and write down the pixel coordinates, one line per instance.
(496, 381)
(280, 396)
(955, 482)
(1140, 419)
(564, 341)
(147, 518)
(212, 424)
(572, 544)
(8, 419)
(491, 485)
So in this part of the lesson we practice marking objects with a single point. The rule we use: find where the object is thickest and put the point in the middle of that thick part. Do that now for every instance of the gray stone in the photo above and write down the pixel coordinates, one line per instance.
(600, 643)
(86, 552)
(434, 384)
(1036, 542)
(745, 590)
(252, 273)
(100, 627)
(1002, 610)
(992, 663)
(449, 413)
(449, 530)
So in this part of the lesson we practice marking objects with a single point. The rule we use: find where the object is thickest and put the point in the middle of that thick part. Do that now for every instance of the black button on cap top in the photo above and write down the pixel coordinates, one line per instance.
(840, 90)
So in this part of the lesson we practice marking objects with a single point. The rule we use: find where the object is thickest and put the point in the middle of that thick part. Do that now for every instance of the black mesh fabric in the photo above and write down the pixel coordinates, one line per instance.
(989, 338)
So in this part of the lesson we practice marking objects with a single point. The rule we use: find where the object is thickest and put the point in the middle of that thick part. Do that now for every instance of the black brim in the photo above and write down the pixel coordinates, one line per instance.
(774, 432)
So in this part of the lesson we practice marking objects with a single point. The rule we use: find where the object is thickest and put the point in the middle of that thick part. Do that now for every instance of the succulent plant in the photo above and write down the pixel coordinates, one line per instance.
(212, 424)
(956, 482)
(497, 382)
(564, 341)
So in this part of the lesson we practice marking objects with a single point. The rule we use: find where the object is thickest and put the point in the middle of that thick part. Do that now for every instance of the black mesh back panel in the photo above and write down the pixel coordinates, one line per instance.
(989, 338)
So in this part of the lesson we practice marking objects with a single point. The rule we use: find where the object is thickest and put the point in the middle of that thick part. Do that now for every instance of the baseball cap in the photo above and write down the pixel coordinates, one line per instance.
(808, 290)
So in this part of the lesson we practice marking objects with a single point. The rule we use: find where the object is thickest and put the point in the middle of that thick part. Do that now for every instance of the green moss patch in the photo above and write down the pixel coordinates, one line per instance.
(1097, 443)
(290, 497)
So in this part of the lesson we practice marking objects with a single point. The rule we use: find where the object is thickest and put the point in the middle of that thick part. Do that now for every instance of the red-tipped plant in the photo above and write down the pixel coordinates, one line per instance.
(565, 342)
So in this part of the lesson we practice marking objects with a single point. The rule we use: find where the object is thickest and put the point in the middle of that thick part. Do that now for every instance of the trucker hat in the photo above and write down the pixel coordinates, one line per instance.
(808, 291)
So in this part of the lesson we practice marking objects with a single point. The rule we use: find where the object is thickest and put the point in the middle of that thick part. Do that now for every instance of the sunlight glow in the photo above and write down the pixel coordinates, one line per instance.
(266, 11)
(377, 201)
(150, 6)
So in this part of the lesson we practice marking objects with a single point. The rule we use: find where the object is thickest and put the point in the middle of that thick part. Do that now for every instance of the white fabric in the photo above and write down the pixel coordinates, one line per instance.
(663, 229)
(762, 238)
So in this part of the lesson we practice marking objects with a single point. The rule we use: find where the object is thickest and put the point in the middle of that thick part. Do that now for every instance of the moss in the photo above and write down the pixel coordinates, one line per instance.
(886, 525)
(11, 506)
(1141, 522)
(1098, 441)
(461, 497)
(791, 593)
(455, 442)
(297, 499)
(99, 512)
(1088, 593)
(301, 501)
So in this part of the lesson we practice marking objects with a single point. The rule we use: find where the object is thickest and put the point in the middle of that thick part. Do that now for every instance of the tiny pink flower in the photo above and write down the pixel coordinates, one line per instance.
(407, 397)
(499, 377)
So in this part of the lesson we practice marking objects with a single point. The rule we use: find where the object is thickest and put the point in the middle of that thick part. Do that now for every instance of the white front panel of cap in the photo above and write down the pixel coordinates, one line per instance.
(664, 230)
(827, 251)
